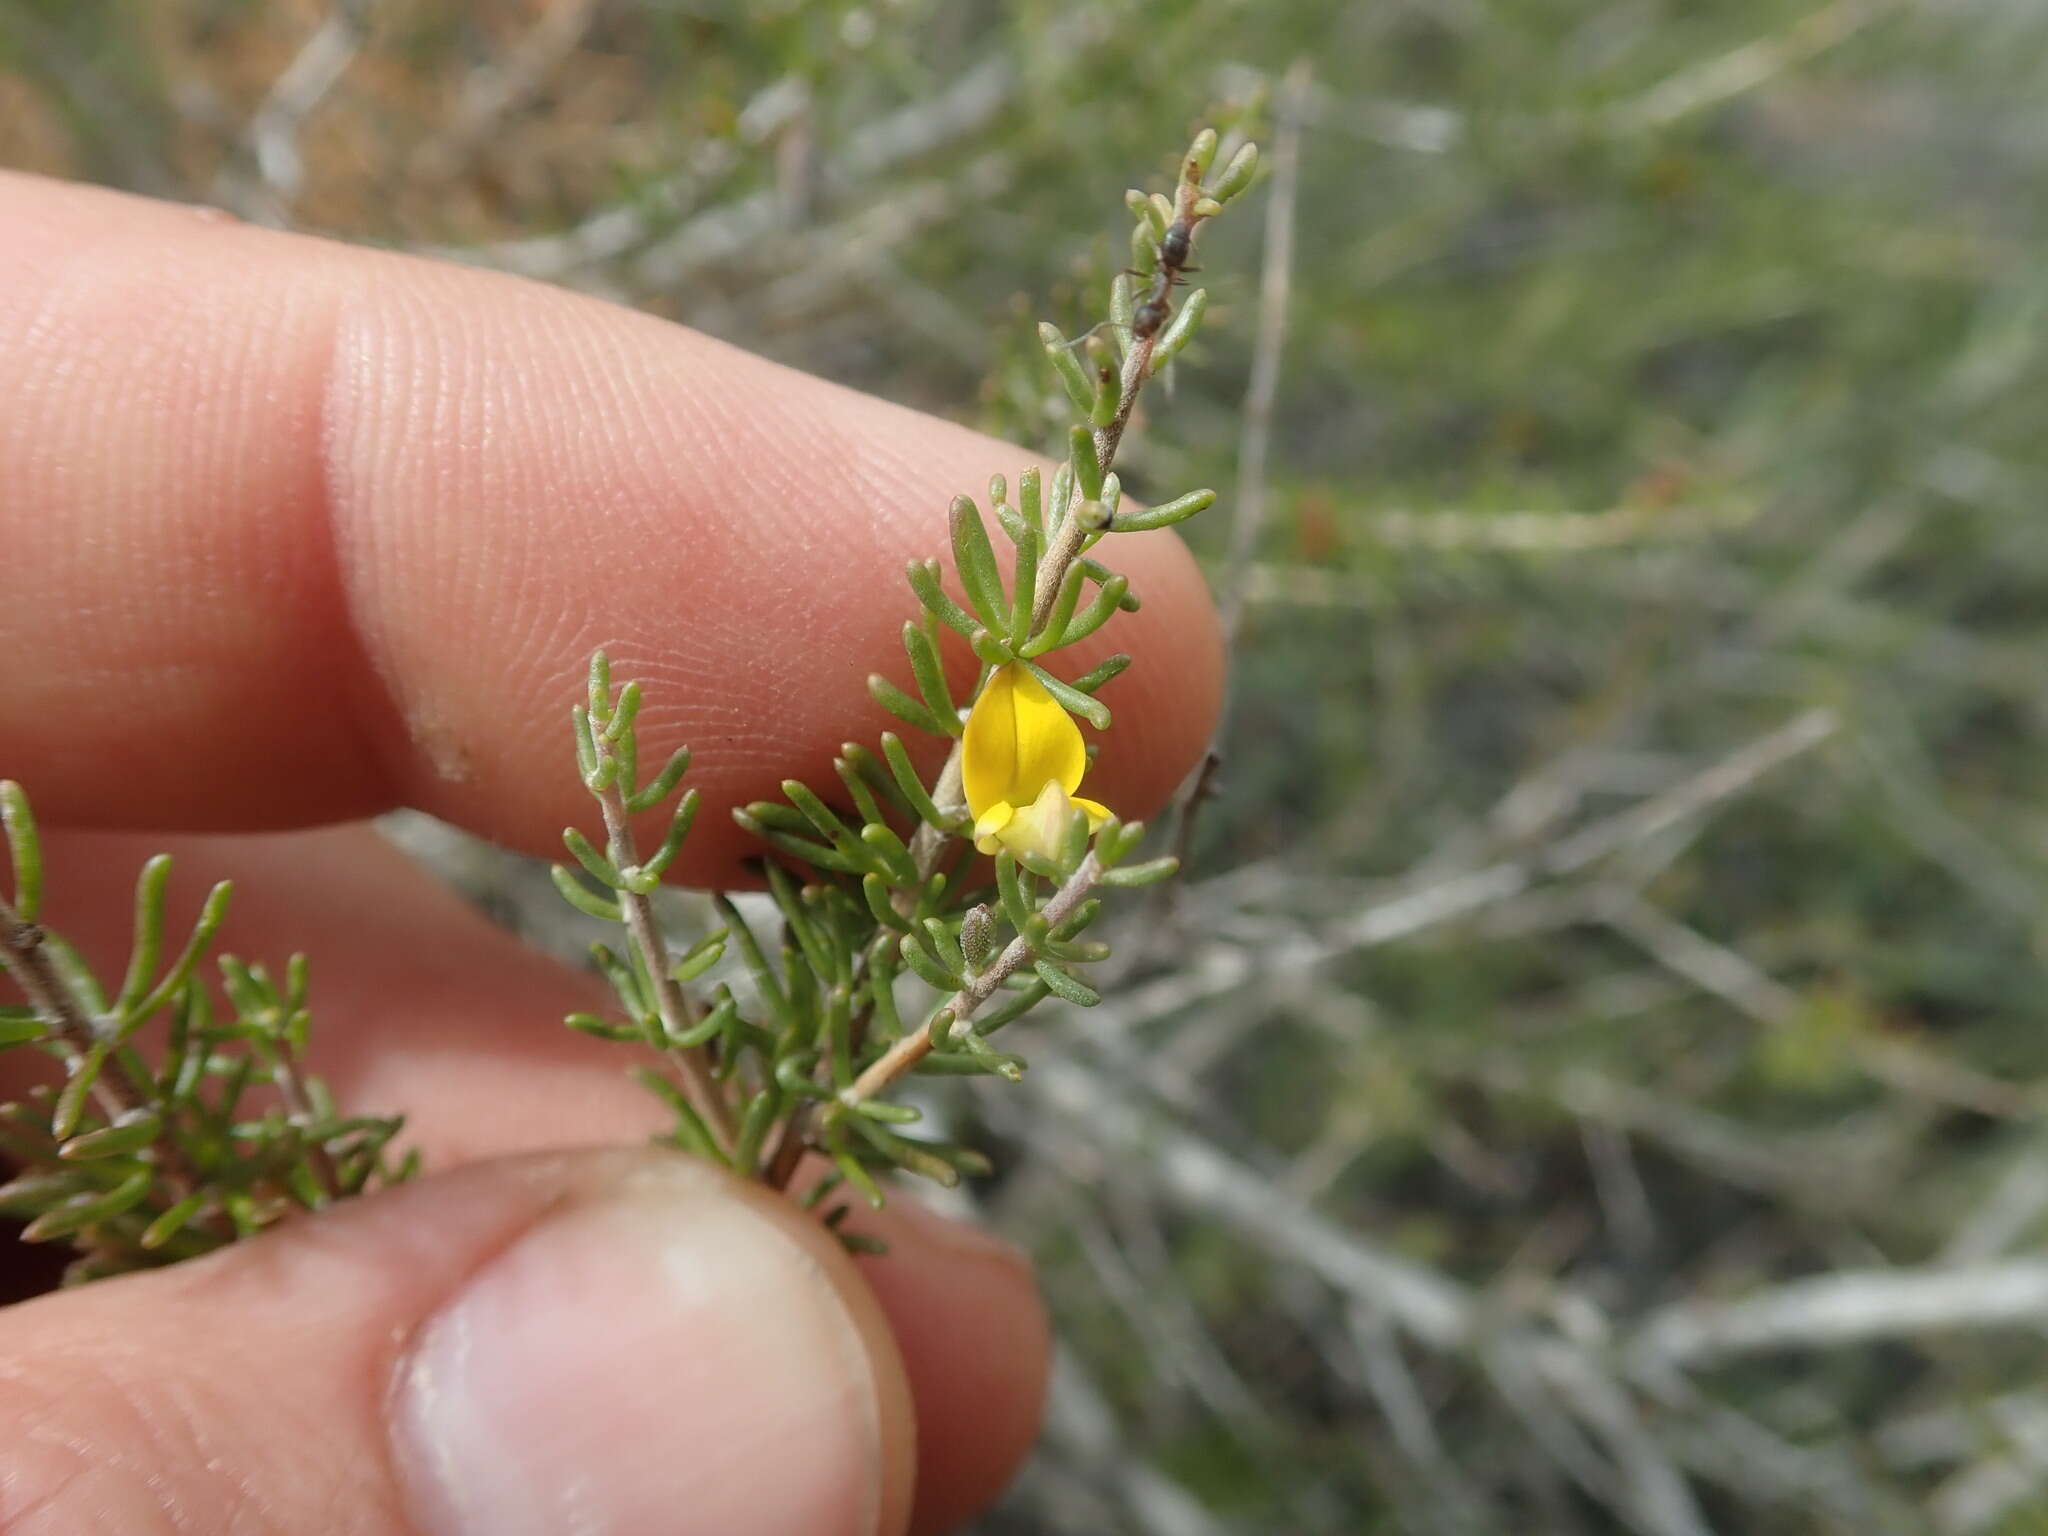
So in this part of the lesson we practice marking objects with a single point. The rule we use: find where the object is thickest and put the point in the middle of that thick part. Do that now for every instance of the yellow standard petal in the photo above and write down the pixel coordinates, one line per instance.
(1018, 740)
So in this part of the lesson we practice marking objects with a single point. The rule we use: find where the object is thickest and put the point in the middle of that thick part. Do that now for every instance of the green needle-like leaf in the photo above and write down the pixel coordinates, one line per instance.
(1100, 610)
(678, 830)
(1065, 986)
(911, 784)
(149, 932)
(1023, 589)
(88, 1210)
(25, 847)
(975, 559)
(1179, 510)
(927, 580)
(919, 959)
(131, 1133)
(1087, 463)
(595, 864)
(212, 913)
(172, 1221)
(582, 898)
(662, 785)
(690, 1132)
(1180, 330)
(928, 670)
(909, 710)
(1072, 375)
(1151, 872)
(1061, 614)
(1071, 699)
(1110, 667)
(1029, 505)
(1237, 175)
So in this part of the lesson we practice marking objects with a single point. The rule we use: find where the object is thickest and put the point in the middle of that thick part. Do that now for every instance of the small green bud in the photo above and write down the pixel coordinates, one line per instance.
(978, 937)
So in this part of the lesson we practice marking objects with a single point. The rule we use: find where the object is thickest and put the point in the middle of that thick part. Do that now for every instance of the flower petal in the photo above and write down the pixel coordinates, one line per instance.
(988, 762)
(1018, 740)
(1041, 826)
(1049, 746)
(989, 824)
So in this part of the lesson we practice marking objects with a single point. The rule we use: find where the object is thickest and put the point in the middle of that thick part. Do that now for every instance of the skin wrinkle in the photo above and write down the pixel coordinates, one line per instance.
(165, 1426)
(369, 708)
(168, 622)
(357, 435)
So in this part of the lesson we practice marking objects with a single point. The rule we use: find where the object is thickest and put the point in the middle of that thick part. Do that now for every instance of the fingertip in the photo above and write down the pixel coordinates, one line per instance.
(679, 1341)
(976, 1348)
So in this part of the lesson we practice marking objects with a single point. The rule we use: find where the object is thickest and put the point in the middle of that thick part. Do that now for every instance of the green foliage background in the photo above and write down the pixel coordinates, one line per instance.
(1655, 375)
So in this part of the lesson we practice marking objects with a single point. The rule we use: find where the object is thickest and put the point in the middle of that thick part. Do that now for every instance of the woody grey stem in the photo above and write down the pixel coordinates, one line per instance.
(676, 1010)
(960, 1007)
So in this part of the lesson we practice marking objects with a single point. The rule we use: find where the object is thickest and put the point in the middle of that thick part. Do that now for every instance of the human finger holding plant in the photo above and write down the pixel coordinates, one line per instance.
(294, 534)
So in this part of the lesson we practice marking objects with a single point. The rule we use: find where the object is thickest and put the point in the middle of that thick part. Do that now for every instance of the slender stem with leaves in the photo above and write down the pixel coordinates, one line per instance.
(914, 918)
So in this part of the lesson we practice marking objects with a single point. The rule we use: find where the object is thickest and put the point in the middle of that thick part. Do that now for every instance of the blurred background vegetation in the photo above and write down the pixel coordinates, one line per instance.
(1592, 1079)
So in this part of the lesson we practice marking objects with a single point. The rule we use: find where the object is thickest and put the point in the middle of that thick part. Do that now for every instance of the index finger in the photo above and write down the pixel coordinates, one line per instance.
(292, 532)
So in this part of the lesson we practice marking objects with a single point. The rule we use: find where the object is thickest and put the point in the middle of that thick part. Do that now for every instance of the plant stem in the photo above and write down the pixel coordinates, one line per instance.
(1061, 552)
(298, 1108)
(677, 1012)
(1137, 370)
(928, 844)
(22, 954)
(959, 1008)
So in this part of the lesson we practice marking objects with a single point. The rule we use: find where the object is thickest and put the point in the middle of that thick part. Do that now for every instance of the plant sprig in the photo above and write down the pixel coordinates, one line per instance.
(896, 948)
(147, 1155)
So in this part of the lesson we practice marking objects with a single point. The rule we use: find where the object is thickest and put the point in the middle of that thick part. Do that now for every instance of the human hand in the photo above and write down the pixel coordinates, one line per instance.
(292, 533)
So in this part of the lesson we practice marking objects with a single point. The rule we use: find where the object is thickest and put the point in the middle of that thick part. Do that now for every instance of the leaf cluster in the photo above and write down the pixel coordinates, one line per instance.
(163, 1147)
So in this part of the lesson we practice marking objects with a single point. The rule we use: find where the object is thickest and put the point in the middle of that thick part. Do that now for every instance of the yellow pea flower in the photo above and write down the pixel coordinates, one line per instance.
(1022, 761)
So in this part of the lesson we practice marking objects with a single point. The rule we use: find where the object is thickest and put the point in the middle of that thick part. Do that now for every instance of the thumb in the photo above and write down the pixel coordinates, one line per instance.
(596, 1342)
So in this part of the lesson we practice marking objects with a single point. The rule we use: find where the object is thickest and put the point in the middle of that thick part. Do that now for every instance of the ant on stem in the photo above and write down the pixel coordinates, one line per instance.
(1152, 312)
(1174, 249)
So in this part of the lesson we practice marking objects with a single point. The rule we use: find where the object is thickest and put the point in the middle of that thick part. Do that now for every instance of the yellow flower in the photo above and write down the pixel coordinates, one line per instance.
(1023, 761)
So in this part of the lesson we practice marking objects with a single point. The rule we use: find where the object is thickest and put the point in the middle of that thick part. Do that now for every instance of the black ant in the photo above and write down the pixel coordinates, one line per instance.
(1176, 245)
(1152, 312)
(1174, 249)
